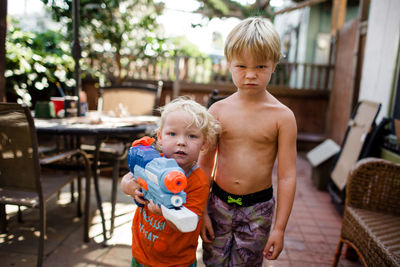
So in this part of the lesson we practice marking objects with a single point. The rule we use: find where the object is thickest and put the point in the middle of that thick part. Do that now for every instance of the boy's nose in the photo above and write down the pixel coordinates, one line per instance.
(181, 141)
(250, 74)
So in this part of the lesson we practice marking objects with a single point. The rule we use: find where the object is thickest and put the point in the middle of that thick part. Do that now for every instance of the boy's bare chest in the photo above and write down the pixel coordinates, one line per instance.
(259, 127)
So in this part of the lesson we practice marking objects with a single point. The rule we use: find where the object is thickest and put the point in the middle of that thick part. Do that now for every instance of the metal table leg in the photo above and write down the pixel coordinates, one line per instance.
(97, 189)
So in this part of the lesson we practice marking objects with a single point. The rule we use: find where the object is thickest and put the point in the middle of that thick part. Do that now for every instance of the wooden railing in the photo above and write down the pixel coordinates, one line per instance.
(304, 76)
(210, 70)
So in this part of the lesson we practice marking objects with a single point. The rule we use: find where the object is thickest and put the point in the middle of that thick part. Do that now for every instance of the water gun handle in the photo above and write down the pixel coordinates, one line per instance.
(140, 205)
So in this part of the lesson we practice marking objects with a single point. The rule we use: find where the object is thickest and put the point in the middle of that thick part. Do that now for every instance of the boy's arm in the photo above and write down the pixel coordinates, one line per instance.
(206, 163)
(287, 155)
(207, 157)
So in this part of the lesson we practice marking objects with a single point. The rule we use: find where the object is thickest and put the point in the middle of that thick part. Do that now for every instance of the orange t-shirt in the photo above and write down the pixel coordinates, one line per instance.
(155, 243)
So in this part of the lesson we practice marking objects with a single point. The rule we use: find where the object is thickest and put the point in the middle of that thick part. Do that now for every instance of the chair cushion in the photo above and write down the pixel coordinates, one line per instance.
(376, 235)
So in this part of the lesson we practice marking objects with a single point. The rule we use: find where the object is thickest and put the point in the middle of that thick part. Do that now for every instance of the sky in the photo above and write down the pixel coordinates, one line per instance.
(178, 11)
(20, 7)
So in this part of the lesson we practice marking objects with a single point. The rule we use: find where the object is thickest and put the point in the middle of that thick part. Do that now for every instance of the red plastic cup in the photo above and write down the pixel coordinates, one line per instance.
(58, 106)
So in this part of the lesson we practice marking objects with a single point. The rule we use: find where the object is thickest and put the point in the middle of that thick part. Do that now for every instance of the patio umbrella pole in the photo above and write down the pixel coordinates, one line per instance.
(76, 50)
(76, 53)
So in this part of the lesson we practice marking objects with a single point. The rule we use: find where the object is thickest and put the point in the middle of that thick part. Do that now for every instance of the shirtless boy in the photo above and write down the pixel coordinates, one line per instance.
(256, 129)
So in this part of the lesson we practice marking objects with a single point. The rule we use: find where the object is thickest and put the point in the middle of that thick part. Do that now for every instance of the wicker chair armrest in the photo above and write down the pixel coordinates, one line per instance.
(374, 184)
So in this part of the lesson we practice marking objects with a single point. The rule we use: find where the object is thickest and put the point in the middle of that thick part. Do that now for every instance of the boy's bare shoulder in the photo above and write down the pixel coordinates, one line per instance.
(281, 108)
(285, 118)
(223, 103)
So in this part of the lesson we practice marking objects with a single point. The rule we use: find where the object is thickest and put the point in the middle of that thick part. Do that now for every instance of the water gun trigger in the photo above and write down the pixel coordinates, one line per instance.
(143, 183)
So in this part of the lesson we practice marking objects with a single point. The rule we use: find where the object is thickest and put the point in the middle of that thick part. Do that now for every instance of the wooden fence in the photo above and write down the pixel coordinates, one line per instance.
(209, 70)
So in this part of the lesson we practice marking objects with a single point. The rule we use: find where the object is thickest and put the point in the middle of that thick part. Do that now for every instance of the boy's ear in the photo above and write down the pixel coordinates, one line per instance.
(159, 139)
(204, 147)
(274, 67)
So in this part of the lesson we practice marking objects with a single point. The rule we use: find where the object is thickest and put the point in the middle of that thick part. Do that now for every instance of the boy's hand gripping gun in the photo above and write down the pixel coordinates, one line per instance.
(163, 181)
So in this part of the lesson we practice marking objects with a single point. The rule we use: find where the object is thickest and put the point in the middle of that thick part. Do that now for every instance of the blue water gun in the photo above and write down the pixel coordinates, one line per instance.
(160, 178)
(163, 181)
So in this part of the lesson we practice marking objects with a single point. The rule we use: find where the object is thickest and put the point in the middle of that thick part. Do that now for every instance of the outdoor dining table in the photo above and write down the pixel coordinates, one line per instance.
(100, 126)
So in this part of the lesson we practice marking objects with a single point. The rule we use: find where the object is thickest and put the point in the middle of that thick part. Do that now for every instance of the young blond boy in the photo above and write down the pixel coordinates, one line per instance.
(256, 129)
(185, 130)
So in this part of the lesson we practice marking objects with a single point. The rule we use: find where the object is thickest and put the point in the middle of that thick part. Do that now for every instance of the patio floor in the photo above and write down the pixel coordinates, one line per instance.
(311, 236)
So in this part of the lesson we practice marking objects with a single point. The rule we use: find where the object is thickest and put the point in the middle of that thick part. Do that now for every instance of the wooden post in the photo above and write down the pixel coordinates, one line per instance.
(359, 48)
(176, 85)
(3, 32)
(338, 15)
(76, 50)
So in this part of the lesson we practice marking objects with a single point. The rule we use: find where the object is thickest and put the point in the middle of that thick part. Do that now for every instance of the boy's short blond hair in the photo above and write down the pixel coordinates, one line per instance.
(256, 34)
(207, 124)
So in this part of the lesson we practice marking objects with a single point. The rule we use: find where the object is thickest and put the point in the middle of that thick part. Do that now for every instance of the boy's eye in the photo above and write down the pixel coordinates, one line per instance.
(192, 136)
(261, 67)
(171, 134)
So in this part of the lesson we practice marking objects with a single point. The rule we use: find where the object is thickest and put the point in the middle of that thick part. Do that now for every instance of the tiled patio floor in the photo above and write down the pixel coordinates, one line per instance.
(311, 235)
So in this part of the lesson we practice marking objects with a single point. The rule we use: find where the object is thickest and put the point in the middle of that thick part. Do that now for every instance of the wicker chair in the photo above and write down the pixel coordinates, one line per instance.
(371, 220)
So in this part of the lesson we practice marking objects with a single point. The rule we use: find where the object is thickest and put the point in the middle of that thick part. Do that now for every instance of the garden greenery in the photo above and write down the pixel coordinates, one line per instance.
(35, 64)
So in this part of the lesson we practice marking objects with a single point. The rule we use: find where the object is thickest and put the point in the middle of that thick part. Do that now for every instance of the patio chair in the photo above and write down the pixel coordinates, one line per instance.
(371, 220)
(22, 179)
(135, 99)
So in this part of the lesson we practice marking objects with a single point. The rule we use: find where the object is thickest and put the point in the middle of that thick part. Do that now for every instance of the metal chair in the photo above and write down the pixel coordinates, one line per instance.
(22, 179)
(214, 97)
(134, 99)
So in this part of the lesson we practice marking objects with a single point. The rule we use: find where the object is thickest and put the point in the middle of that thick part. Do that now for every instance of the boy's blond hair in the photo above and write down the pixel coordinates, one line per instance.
(256, 34)
(207, 124)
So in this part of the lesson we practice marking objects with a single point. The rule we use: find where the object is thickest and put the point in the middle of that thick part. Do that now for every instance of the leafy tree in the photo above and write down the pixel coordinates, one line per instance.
(232, 8)
(36, 64)
(114, 33)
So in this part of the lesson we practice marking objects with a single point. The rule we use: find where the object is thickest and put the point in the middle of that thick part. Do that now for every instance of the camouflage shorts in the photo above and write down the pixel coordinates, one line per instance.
(241, 233)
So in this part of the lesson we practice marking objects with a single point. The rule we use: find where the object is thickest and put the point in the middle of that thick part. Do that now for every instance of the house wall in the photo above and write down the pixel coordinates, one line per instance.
(311, 43)
(313, 29)
(382, 47)
(287, 25)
